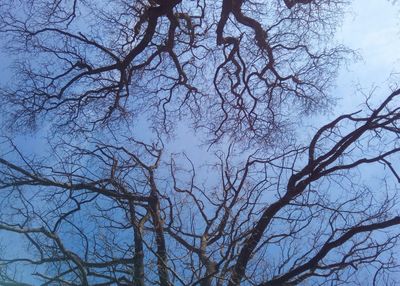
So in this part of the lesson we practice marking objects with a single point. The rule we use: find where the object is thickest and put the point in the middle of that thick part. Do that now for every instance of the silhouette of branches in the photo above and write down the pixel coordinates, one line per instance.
(106, 204)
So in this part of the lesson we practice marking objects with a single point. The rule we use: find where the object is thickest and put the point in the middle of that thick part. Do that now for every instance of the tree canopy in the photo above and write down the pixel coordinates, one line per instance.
(107, 201)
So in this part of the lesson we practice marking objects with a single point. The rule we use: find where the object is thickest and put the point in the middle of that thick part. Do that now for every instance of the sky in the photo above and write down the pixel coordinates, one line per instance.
(373, 30)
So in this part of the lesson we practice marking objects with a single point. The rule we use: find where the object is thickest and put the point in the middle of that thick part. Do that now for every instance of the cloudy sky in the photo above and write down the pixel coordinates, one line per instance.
(372, 28)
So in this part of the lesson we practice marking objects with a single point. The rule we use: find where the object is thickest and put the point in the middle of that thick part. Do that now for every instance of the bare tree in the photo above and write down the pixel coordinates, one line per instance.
(236, 67)
(104, 207)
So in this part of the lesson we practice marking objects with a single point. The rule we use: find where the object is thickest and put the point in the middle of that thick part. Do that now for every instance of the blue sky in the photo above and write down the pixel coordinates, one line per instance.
(373, 30)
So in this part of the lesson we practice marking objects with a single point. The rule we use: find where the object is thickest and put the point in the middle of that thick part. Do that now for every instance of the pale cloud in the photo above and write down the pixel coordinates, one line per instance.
(373, 31)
